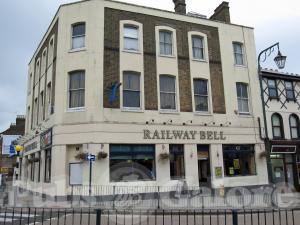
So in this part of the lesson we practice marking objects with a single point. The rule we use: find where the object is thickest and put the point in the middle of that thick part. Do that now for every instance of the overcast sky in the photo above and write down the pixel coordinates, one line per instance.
(24, 22)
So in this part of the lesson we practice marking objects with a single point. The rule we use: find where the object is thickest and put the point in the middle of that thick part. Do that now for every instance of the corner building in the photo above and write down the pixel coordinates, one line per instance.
(157, 96)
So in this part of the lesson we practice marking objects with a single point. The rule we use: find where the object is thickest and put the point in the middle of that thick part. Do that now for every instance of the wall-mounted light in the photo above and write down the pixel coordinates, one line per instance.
(227, 123)
(150, 121)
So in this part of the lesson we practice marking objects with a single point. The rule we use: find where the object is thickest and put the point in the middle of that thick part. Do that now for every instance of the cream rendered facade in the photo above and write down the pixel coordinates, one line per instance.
(94, 128)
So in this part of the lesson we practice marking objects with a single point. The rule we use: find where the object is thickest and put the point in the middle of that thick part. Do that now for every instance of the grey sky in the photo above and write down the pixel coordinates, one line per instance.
(23, 23)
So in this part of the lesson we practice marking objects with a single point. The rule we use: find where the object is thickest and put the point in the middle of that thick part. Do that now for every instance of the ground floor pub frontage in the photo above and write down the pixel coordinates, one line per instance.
(285, 163)
(148, 157)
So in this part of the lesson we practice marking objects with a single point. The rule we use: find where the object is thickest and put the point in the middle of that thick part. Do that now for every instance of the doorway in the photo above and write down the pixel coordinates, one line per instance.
(204, 171)
(284, 169)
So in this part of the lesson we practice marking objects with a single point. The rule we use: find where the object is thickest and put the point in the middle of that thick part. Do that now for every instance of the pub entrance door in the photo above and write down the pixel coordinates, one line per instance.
(204, 165)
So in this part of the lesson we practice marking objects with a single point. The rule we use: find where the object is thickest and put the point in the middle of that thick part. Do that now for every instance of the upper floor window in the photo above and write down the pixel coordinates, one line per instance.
(272, 88)
(238, 53)
(37, 71)
(166, 42)
(167, 92)
(131, 90)
(277, 126)
(76, 89)
(78, 36)
(242, 97)
(44, 62)
(131, 38)
(294, 126)
(289, 89)
(29, 83)
(200, 95)
(198, 47)
(51, 51)
(48, 99)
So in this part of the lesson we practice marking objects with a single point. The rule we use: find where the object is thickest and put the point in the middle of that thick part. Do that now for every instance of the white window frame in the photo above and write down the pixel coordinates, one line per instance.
(35, 111)
(81, 48)
(37, 71)
(174, 41)
(76, 109)
(208, 96)
(122, 95)
(139, 26)
(29, 83)
(201, 49)
(292, 89)
(242, 98)
(48, 97)
(243, 53)
(176, 95)
(129, 26)
(51, 50)
(44, 62)
(191, 34)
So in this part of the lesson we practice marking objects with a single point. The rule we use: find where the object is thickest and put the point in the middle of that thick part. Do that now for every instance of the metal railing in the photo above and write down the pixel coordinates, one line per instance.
(72, 216)
(168, 197)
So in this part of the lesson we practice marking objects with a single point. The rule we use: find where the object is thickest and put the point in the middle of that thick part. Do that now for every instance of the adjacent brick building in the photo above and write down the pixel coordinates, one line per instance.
(7, 162)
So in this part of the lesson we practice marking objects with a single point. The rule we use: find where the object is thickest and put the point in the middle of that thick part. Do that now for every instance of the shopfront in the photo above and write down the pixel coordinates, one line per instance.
(285, 165)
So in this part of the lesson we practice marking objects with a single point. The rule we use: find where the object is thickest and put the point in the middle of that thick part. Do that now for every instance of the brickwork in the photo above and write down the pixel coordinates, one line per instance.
(222, 13)
(111, 58)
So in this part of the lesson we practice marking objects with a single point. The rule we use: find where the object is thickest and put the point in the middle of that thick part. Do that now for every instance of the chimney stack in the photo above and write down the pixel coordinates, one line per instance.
(222, 13)
(180, 6)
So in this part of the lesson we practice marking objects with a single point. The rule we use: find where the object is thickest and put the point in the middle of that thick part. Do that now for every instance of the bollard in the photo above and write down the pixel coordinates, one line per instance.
(98, 216)
(235, 217)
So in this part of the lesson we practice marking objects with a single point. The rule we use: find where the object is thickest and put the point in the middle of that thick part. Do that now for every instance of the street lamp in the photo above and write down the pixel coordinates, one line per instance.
(280, 62)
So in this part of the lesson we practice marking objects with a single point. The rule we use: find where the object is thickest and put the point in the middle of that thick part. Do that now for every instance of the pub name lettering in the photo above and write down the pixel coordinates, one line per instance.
(184, 135)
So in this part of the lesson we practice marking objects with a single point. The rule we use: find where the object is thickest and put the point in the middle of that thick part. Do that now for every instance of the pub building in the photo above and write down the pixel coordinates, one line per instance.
(282, 104)
(157, 97)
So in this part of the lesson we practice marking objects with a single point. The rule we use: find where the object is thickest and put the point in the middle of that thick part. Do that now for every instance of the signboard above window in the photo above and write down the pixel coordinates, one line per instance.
(283, 149)
(46, 139)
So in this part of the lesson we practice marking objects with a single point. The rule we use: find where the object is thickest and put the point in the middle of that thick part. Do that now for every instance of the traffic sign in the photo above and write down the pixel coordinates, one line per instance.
(91, 157)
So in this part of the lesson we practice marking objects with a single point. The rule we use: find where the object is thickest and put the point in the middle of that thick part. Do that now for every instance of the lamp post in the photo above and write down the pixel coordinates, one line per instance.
(280, 62)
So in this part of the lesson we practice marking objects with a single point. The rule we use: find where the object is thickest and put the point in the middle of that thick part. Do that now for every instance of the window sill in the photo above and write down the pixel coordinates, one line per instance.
(82, 109)
(240, 66)
(200, 60)
(166, 111)
(131, 51)
(198, 113)
(167, 56)
(134, 110)
(291, 100)
(77, 50)
(274, 98)
(246, 115)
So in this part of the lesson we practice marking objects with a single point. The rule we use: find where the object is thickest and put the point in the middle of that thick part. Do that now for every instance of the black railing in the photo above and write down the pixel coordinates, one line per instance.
(88, 216)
